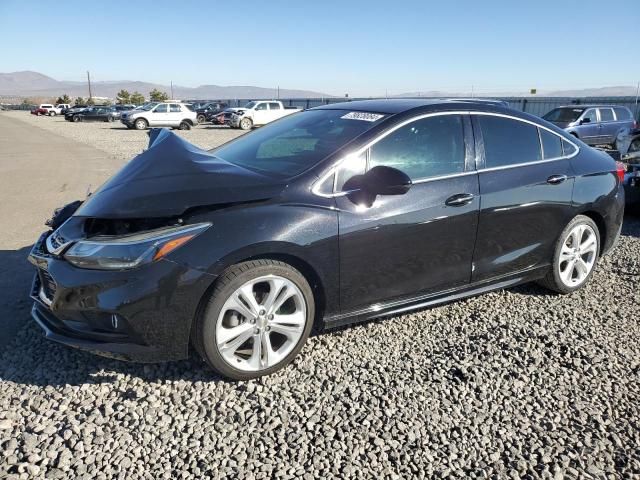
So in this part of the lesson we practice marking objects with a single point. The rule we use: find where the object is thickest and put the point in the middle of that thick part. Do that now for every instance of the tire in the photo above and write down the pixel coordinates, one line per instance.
(110, 119)
(259, 278)
(52, 114)
(246, 124)
(76, 118)
(571, 277)
(140, 124)
(201, 118)
(184, 126)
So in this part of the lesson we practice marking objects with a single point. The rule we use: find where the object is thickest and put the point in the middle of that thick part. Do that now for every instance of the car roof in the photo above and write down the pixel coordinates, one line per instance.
(591, 105)
(401, 105)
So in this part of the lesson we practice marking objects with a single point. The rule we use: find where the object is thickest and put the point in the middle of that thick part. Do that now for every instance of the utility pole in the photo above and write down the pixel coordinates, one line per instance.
(171, 89)
(278, 92)
(89, 82)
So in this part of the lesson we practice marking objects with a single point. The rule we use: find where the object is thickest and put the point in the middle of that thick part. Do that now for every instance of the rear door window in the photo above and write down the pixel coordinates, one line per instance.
(508, 141)
(274, 106)
(551, 144)
(429, 147)
(606, 114)
(174, 108)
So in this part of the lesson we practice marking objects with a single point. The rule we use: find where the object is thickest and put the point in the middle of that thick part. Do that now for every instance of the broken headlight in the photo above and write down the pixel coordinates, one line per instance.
(130, 251)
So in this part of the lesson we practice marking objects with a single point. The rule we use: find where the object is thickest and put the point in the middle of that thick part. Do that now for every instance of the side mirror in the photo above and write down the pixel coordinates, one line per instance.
(383, 180)
(585, 120)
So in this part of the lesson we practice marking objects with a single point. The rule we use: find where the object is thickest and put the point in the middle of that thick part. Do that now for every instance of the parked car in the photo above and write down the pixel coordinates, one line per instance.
(176, 115)
(255, 114)
(221, 118)
(93, 114)
(628, 150)
(206, 112)
(338, 214)
(44, 109)
(593, 124)
(75, 109)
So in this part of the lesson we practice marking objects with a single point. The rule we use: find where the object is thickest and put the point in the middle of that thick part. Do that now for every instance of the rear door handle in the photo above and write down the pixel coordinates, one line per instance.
(459, 199)
(556, 179)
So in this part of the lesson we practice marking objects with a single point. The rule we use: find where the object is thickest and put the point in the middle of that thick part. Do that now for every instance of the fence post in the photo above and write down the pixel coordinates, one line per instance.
(524, 104)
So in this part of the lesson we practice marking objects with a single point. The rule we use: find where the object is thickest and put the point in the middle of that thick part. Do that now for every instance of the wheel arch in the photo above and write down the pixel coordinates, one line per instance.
(598, 219)
(309, 272)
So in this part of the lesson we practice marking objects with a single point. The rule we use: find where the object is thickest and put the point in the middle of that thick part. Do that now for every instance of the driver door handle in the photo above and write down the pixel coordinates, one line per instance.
(556, 179)
(459, 199)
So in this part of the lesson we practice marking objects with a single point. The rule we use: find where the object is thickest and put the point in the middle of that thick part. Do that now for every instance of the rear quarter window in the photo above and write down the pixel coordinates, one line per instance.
(622, 113)
(551, 144)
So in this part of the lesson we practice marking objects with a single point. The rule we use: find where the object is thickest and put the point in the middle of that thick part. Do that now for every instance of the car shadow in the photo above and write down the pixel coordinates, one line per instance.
(27, 358)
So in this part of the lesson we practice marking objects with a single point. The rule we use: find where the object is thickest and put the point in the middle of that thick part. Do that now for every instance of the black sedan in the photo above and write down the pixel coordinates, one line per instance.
(329, 216)
(93, 114)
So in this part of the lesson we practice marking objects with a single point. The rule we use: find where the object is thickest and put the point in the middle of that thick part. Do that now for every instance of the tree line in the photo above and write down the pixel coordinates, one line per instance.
(123, 97)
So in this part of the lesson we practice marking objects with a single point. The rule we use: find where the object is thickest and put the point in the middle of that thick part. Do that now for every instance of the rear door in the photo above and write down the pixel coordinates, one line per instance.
(608, 125)
(175, 115)
(419, 243)
(526, 185)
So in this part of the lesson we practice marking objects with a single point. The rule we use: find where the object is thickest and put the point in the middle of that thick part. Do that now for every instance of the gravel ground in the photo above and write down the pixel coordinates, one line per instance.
(116, 139)
(517, 383)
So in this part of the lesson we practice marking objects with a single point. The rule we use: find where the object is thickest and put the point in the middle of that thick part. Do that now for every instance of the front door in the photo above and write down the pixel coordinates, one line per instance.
(420, 242)
(526, 186)
(159, 115)
(589, 130)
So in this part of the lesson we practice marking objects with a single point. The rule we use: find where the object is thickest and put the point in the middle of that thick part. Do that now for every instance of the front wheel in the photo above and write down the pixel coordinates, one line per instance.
(76, 118)
(52, 114)
(575, 256)
(141, 124)
(257, 319)
(246, 124)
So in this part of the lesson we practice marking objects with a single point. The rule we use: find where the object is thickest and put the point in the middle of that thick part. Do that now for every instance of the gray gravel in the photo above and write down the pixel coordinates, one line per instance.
(517, 383)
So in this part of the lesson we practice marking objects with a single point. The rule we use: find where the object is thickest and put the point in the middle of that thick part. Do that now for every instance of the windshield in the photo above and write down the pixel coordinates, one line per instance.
(148, 106)
(296, 143)
(567, 115)
(250, 105)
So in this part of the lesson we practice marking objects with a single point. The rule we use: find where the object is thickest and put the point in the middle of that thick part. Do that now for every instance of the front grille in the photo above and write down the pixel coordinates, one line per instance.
(48, 285)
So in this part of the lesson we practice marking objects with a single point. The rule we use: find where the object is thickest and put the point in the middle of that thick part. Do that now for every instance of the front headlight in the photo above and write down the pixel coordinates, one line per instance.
(130, 251)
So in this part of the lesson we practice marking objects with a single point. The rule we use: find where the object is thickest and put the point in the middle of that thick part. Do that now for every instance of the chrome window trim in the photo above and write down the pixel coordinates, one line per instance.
(334, 167)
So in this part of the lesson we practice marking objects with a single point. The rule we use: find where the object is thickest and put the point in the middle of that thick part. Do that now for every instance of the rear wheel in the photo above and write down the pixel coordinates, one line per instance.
(257, 319)
(52, 113)
(201, 118)
(184, 126)
(141, 124)
(575, 256)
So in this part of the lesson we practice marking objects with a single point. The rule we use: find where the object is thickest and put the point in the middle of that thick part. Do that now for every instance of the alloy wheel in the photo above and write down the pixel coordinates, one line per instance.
(261, 323)
(578, 255)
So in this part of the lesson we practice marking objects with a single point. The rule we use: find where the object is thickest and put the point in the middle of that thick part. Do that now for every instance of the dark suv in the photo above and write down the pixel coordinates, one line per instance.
(328, 216)
(208, 111)
(593, 124)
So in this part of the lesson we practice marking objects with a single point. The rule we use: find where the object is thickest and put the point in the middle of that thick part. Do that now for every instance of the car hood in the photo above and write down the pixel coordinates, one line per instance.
(172, 176)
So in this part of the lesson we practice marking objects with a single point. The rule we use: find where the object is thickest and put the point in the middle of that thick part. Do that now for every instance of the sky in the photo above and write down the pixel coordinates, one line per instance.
(350, 46)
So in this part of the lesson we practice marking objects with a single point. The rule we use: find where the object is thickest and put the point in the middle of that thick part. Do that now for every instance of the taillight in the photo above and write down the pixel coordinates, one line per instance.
(621, 169)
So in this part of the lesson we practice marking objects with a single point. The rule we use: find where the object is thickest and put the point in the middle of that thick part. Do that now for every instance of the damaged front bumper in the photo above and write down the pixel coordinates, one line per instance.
(142, 315)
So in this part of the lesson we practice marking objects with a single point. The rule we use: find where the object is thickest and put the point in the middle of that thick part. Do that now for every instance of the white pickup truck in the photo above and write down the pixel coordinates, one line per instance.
(258, 113)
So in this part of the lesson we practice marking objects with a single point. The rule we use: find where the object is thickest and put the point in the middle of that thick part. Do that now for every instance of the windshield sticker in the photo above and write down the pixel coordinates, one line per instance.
(365, 116)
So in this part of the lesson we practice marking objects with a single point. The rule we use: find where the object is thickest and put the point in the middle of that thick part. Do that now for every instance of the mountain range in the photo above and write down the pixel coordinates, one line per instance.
(34, 84)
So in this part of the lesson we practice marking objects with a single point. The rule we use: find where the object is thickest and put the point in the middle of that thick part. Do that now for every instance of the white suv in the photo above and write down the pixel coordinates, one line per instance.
(166, 114)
